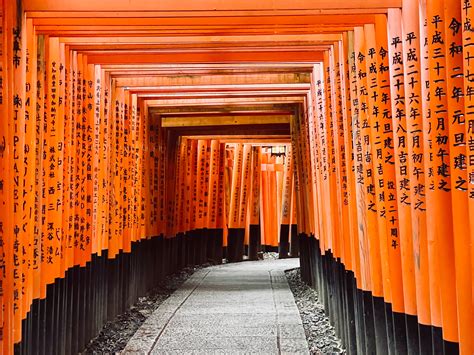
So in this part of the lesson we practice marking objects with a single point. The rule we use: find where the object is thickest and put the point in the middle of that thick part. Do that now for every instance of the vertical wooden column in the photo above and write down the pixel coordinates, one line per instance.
(375, 153)
(294, 242)
(233, 250)
(333, 224)
(388, 194)
(439, 172)
(399, 121)
(245, 194)
(284, 241)
(221, 212)
(323, 171)
(254, 204)
(435, 311)
(212, 199)
(340, 151)
(6, 185)
(463, 255)
(414, 119)
(350, 131)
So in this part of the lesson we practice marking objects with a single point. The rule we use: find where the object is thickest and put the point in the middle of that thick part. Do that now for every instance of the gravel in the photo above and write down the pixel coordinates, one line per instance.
(115, 335)
(321, 336)
(270, 256)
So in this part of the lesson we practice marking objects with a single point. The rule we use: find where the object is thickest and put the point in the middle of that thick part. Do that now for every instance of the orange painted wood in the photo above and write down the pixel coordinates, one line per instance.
(287, 189)
(420, 212)
(462, 254)
(227, 185)
(190, 156)
(52, 166)
(97, 167)
(201, 173)
(388, 195)
(68, 162)
(397, 92)
(213, 184)
(360, 144)
(3, 175)
(272, 202)
(245, 185)
(315, 183)
(349, 185)
(264, 213)
(107, 155)
(254, 204)
(363, 62)
(377, 153)
(68, 5)
(236, 187)
(221, 204)
(350, 131)
(194, 184)
(468, 40)
(29, 160)
(127, 184)
(164, 224)
(7, 178)
(308, 221)
(321, 126)
(339, 151)
(293, 216)
(144, 129)
(438, 179)
(381, 142)
(17, 142)
(333, 224)
(178, 186)
(308, 179)
(421, 198)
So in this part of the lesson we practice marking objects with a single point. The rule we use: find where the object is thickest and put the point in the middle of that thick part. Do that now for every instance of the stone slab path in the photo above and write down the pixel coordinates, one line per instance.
(241, 308)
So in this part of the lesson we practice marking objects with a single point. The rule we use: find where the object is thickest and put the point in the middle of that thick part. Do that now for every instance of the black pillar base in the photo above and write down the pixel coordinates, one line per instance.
(294, 241)
(413, 338)
(284, 244)
(426, 344)
(437, 338)
(78, 305)
(390, 332)
(380, 324)
(370, 325)
(210, 245)
(218, 245)
(235, 245)
(254, 241)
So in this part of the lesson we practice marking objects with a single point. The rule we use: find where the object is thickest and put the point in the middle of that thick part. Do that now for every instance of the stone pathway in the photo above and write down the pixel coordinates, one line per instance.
(241, 308)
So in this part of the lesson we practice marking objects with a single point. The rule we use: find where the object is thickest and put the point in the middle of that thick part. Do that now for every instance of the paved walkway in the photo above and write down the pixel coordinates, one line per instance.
(241, 308)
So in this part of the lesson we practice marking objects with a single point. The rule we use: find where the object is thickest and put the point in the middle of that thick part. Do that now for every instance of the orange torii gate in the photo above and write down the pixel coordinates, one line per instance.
(97, 179)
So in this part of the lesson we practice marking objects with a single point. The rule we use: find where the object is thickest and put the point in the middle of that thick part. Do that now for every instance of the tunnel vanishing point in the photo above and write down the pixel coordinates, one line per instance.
(138, 137)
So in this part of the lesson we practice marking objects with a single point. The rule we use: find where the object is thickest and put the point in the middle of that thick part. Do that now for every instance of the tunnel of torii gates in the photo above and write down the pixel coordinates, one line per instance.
(137, 137)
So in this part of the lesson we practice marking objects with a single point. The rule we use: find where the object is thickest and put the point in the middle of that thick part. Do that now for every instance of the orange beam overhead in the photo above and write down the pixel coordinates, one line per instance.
(166, 103)
(123, 30)
(259, 67)
(205, 57)
(213, 80)
(224, 120)
(175, 40)
(187, 20)
(205, 5)
(220, 88)
(224, 112)
(193, 95)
